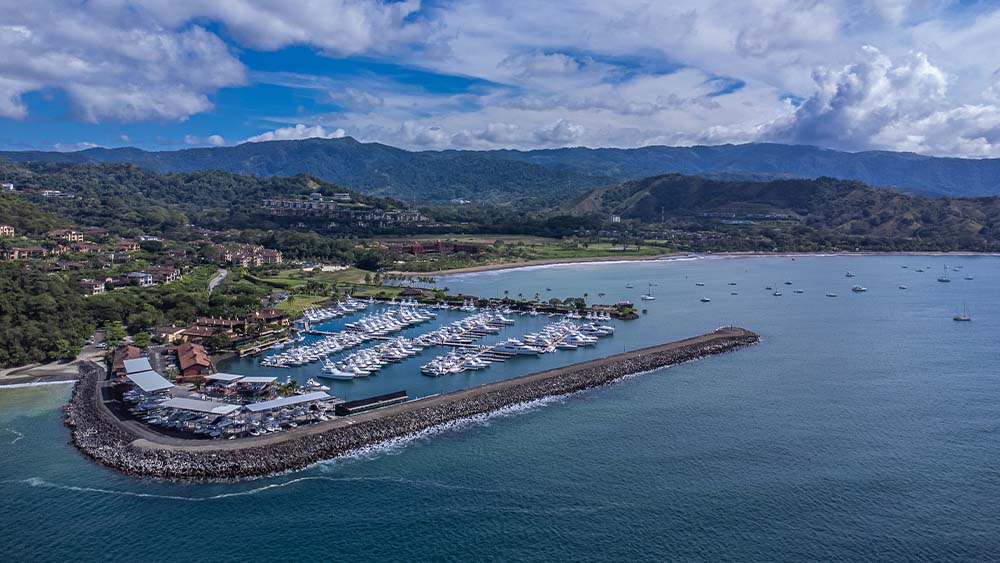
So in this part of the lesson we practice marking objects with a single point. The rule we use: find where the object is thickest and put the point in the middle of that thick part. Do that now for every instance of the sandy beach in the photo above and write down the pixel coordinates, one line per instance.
(672, 255)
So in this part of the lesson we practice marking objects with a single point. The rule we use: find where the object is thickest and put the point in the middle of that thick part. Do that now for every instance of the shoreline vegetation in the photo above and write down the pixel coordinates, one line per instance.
(139, 451)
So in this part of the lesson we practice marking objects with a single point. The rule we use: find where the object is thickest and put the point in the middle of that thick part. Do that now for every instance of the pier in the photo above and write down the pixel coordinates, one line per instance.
(142, 452)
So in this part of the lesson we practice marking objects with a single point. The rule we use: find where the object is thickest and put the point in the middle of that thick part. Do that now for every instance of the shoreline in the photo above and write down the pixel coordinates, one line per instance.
(670, 256)
(136, 450)
(540, 262)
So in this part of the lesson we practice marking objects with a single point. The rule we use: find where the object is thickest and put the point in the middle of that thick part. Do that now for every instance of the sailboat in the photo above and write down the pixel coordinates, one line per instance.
(945, 278)
(649, 295)
(964, 315)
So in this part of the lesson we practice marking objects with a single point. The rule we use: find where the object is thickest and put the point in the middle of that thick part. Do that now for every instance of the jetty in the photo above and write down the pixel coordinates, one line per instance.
(137, 450)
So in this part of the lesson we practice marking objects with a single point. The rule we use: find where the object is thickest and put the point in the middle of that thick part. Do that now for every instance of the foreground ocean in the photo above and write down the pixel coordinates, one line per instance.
(862, 427)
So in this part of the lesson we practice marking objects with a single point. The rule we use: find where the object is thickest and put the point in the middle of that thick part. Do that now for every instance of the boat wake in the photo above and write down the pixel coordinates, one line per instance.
(42, 483)
(396, 446)
(17, 435)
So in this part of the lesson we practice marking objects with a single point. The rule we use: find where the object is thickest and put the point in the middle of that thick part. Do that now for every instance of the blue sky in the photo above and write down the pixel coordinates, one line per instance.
(913, 75)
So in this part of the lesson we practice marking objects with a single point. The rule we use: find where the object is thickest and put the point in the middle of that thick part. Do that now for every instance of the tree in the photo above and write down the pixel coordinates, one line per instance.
(219, 341)
(141, 339)
(114, 333)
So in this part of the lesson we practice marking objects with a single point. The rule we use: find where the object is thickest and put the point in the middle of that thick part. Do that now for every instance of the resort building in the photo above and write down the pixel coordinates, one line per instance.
(85, 248)
(268, 317)
(170, 334)
(6, 231)
(91, 287)
(193, 361)
(66, 235)
(247, 255)
(437, 247)
(126, 246)
(141, 279)
(33, 252)
(163, 274)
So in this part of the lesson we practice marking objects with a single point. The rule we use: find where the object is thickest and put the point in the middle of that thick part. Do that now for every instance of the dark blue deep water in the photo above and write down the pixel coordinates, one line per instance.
(863, 427)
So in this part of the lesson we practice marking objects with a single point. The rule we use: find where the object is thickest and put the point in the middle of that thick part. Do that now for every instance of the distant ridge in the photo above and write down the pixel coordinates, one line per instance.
(549, 175)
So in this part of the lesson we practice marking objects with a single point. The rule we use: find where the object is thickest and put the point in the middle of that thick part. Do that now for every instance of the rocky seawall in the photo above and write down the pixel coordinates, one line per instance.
(102, 437)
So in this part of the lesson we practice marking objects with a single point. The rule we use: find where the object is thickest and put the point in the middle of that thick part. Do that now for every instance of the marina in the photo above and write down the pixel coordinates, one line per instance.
(827, 371)
(103, 437)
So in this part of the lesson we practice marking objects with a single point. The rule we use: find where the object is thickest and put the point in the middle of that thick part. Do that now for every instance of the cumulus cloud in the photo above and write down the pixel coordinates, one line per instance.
(341, 27)
(879, 103)
(561, 132)
(121, 68)
(541, 64)
(534, 73)
(299, 131)
(211, 140)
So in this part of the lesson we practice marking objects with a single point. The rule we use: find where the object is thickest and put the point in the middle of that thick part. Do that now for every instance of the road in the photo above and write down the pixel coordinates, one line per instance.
(217, 279)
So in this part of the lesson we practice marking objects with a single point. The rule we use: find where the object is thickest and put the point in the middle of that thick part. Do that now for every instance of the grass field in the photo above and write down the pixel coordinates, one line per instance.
(296, 303)
(295, 277)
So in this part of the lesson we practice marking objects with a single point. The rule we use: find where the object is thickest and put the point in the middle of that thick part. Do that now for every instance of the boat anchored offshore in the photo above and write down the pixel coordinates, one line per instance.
(705, 300)
(649, 295)
(859, 289)
(945, 278)
(963, 316)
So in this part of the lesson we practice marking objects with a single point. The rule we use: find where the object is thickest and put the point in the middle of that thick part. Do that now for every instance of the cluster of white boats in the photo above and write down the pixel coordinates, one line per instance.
(459, 333)
(367, 328)
(561, 335)
(344, 307)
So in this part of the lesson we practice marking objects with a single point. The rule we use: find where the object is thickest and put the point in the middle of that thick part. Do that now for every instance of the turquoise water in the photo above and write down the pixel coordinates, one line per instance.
(863, 427)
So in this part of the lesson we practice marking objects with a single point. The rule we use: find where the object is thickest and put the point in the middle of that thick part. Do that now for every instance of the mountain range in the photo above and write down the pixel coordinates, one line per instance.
(549, 175)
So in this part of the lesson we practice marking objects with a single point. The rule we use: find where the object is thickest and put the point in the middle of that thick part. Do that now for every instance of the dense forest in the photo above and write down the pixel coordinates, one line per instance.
(540, 176)
(42, 318)
(27, 218)
(841, 212)
(126, 199)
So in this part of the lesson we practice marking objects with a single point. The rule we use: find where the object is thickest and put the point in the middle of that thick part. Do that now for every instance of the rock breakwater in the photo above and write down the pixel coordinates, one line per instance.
(105, 439)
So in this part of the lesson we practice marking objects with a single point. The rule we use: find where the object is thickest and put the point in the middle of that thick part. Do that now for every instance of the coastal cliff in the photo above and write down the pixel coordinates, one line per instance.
(105, 439)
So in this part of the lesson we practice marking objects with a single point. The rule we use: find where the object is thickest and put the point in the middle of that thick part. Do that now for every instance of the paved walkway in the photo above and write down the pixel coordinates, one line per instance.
(217, 279)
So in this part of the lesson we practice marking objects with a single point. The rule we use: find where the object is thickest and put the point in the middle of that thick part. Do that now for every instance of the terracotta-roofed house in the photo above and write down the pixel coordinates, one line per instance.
(193, 360)
(118, 360)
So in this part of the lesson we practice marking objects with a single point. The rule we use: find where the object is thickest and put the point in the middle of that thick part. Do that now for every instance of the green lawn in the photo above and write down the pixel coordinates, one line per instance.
(296, 303)
(296, 277)
(196, 280)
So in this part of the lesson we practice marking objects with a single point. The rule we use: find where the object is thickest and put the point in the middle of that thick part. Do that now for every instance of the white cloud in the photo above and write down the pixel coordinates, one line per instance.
(355, 100)
(561, 132)
(73, 147)
(211, 140)
(881, 103)
(299, 131)
(110, 65)
(540, 73)
(341, 27)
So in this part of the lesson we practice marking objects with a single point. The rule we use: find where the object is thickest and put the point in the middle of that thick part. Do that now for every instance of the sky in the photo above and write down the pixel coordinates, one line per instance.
(901, 75)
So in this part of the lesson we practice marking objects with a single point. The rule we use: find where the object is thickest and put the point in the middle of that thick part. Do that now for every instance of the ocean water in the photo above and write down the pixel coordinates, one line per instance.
(862, 427)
